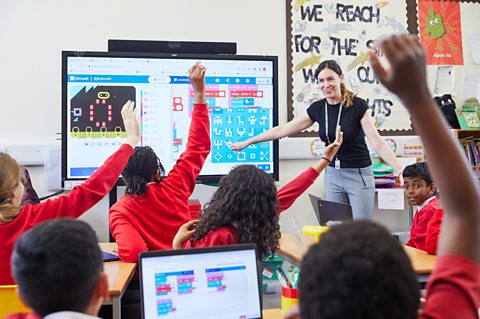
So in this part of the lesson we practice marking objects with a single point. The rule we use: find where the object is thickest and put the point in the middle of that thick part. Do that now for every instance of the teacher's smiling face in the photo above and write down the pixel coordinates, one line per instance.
(329, 82)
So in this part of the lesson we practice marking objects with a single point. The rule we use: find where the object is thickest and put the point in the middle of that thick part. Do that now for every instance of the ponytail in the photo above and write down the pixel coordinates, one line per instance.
(136, 185)
(347, 95)
(140, 170)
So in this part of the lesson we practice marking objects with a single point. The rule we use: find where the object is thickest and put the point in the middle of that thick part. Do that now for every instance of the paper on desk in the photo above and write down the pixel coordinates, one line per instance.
(444, 83)
(474, 41)
(471, 85)
(391, 199)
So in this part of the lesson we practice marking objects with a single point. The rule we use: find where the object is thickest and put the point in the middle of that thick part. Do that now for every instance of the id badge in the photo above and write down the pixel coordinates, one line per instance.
(337, 164)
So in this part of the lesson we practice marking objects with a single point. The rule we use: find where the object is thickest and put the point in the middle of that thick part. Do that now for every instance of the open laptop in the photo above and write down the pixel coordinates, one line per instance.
(202, 283)
(330, 212)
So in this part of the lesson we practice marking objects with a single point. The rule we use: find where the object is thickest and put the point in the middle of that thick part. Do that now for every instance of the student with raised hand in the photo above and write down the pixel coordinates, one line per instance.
(246, 207)
(15, 218)
(358, 270)
(58, 267)
(154, 206)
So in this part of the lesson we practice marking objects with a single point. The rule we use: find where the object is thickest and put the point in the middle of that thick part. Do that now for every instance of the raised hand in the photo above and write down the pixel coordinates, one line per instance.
(332, 149)
(406, 76)
(196, 74)
(131, 123)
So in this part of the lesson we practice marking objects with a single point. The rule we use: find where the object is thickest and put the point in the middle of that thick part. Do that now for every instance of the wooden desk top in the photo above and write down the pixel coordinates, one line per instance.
(118, 272)
(422, 262)
(272, 314)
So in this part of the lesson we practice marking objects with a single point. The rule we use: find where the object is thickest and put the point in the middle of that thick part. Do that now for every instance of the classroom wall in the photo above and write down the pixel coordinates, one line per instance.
(33, 34)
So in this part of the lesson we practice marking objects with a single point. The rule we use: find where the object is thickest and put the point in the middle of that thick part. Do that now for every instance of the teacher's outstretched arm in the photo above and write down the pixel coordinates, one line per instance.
(294, 126)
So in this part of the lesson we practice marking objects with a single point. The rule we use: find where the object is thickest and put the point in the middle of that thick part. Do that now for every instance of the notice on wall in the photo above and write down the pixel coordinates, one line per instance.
(391, 199)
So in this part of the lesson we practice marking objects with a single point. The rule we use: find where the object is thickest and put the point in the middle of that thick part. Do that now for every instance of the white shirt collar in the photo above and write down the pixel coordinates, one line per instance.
(426, 202)
(68, 315)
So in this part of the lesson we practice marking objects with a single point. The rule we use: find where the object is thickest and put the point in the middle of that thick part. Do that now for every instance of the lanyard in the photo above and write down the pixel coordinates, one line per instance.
(326, 120)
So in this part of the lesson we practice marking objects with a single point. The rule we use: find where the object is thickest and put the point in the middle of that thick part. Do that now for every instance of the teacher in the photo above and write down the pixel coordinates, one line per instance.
(349, 176)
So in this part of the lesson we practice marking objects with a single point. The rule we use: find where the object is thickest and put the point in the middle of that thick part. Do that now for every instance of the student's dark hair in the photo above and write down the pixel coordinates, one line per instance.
(140, 170)
(57, 265)
(358, 270)
(247, 199)
(418, 170)
(347, 95)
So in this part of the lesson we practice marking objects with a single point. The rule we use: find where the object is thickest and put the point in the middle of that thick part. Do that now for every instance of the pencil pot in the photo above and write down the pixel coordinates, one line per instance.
(289, 299)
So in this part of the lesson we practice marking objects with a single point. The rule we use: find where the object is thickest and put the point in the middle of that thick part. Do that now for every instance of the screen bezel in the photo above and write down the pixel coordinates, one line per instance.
(203, 179)
(203, 250)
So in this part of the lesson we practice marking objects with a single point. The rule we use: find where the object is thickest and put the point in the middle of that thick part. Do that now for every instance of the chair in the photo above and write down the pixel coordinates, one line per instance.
(10, 301)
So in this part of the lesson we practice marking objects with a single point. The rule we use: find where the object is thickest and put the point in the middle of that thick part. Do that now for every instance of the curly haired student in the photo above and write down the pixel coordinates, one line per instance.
(246, 207)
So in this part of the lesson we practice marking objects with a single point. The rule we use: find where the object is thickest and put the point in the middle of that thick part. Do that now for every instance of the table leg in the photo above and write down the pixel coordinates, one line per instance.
(116, 307)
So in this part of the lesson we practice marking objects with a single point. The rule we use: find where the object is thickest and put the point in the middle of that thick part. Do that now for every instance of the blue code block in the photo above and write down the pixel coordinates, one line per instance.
(238, 124)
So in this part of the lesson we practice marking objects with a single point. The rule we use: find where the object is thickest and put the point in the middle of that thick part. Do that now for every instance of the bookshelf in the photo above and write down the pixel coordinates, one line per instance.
(470, 141)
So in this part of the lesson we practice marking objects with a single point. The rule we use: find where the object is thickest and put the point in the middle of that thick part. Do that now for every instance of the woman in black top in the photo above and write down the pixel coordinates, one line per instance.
(349, 177)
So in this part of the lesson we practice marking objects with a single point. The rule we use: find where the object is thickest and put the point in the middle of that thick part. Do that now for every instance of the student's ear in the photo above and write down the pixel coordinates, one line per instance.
(99, 296)
(432, 189)
(157, 177)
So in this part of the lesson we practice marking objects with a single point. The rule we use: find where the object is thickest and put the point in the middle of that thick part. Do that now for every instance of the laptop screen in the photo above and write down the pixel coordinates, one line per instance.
(330, 213)
(216, 282)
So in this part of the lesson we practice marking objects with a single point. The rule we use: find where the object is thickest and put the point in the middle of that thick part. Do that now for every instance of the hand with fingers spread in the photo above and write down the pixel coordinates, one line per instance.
(406, 76)
(184, 233)
(131, 123)
(196, 74)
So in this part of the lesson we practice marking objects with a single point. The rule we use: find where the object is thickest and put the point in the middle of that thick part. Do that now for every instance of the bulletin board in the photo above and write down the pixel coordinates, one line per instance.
(344, 31)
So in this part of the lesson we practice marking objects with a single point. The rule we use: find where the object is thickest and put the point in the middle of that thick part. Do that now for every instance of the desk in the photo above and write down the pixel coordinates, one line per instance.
(422, 262)
(272, 314)
(119, 275)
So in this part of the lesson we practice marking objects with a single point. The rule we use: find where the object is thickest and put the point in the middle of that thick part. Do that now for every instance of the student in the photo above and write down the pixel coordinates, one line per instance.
(148, 216)
(246, 207)
(420, 191)
(58, 267)
(15, 218)
(358, 270)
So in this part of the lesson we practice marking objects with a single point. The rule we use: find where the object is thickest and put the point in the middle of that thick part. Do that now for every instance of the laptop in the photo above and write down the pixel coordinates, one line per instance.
(329, 213)
(201, 283)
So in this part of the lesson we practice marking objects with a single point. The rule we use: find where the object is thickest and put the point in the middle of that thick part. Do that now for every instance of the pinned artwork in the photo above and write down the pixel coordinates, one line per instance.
(344, 31)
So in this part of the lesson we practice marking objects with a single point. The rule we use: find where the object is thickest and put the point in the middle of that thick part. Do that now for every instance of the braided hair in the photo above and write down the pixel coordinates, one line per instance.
(141, 170)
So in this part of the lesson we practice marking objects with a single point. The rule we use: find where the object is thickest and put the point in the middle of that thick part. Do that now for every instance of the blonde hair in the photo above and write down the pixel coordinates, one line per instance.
(9, 180)
(347, 95)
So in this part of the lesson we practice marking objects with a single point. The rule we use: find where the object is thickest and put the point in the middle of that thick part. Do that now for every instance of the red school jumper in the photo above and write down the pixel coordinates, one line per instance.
(74, 204)
(286, 196)
(433, 232)
(151, 221)
(453, 289)
(418, 231)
